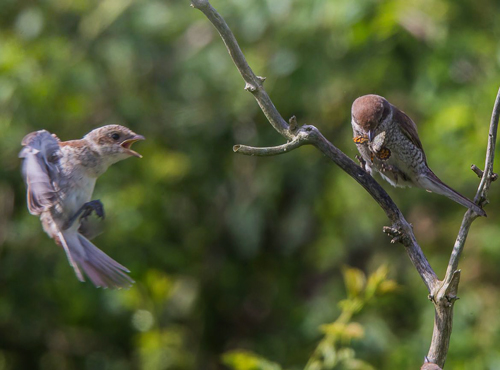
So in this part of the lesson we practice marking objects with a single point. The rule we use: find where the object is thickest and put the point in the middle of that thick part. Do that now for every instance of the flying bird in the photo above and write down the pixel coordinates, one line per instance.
(60, 177)
(388, 142)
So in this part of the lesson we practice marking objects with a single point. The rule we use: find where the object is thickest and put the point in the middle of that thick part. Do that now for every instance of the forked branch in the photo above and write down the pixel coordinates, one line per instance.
(310, 135)
(443, 293)
(445, 296)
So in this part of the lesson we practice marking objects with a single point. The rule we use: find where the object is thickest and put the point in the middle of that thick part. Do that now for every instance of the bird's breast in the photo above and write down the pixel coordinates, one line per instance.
(78, 192)
(399, 151)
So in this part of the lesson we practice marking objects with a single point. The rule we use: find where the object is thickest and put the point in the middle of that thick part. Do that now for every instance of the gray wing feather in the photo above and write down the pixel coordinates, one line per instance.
(408, 127)
(40, 169)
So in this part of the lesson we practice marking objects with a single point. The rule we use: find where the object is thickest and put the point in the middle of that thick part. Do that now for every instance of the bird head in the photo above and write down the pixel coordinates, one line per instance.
(369, 111)
(113, 142)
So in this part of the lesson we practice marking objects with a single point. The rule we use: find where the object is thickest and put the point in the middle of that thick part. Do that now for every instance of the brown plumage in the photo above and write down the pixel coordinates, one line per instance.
(389, 144)
(60, 179)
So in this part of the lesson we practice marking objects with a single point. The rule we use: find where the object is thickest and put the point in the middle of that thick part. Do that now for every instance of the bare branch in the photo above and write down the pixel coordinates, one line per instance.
(490, 152)
(479, 172)
(301, 137)
(253, 83)
(446, 293)
(270, 151)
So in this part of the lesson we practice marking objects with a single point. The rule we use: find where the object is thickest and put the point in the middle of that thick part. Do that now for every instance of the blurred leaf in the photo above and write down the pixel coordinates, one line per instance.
(357, 364)
(374, 281)
(314, 365)
(354, 280)
(346, 354)
(335, 329)
(353, 330)
(353, 305)
(388, 286)
(328, 354)
(245, 360)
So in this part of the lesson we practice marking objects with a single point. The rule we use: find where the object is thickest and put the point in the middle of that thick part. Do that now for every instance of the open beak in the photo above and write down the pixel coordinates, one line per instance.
(128, 143)
(371, 135)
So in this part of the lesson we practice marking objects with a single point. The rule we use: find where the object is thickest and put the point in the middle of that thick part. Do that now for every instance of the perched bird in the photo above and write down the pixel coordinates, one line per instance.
(388, 142)
(60, 178)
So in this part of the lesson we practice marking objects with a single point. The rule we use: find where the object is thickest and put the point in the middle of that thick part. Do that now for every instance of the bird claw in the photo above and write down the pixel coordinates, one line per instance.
(85, 211)
(388, 168)
(361, 161)
(93, 206)
(396, 172)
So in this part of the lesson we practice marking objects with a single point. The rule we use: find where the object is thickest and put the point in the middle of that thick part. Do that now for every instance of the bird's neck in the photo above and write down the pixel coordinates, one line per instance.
(83, 154)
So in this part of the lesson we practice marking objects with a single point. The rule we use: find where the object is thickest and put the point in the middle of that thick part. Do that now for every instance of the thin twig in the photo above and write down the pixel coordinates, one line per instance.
(445, 295)
(253, 83)
(479, 173)
(477, 170)
(268, 151)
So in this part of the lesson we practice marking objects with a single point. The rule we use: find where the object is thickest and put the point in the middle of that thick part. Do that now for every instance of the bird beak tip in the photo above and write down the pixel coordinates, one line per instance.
(128, 143)
(371, 135)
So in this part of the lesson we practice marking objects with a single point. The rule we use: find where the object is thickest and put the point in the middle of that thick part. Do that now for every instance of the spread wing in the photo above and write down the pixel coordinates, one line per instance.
(408, 127)
(40, 169)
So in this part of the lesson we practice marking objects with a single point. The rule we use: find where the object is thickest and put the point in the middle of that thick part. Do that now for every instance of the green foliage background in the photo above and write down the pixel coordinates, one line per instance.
(232, 252)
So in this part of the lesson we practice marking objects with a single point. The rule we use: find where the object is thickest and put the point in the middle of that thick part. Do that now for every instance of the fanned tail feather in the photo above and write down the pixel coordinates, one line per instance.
(72, 262)
(101, 269)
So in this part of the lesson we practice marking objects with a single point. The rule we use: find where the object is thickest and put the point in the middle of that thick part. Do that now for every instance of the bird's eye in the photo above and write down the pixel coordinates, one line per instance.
(115, 136)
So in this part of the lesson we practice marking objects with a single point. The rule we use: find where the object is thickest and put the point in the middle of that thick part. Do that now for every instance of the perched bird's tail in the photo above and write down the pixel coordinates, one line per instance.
(101, 269)
(432, 183)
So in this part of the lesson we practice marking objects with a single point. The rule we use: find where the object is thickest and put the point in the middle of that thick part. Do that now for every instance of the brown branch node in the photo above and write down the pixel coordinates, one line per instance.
(250, 87)
(398, 235)
(479, 173)
(477, 170)
(293, 125)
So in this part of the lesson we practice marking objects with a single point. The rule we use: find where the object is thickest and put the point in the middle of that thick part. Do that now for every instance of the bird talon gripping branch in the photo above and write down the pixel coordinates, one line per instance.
(361, 161)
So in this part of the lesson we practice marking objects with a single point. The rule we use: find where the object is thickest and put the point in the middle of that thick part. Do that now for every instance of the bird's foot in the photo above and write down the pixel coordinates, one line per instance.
(396, 172)
(93, 206)
(389, 168)
(85, 211)
(362, 162)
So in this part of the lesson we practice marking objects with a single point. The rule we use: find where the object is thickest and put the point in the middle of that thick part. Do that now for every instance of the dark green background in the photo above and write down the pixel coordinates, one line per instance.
(230, 251)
